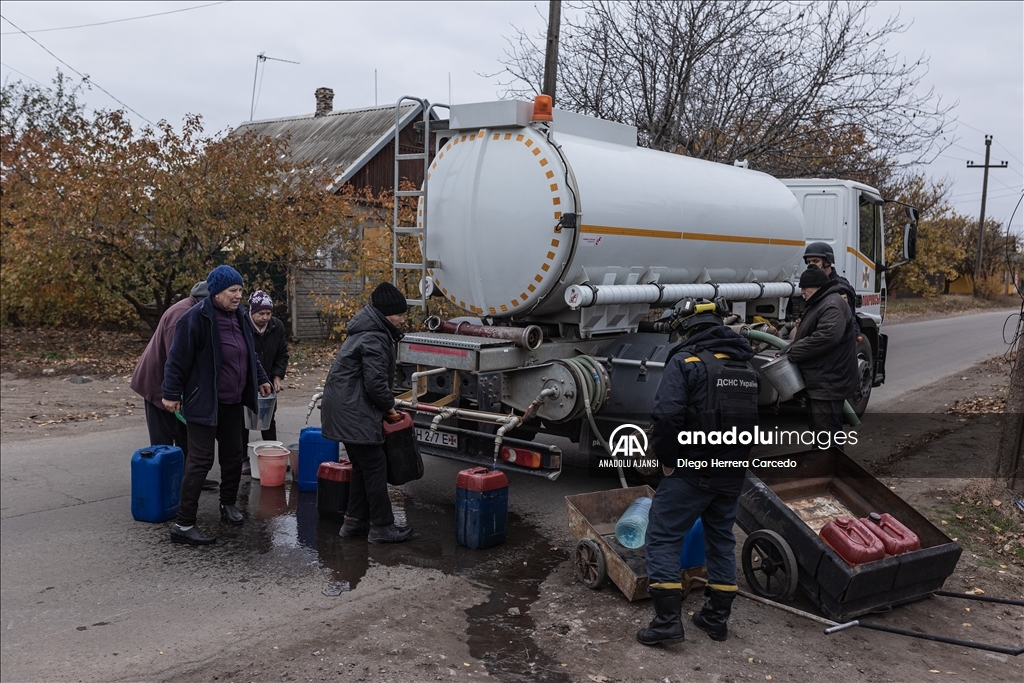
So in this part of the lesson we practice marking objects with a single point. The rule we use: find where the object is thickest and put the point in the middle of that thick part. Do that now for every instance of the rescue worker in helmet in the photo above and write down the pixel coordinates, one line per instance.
(820, 254)
(708, 385)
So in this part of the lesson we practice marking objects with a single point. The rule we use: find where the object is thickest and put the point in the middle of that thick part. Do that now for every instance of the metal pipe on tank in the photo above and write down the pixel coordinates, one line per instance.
(529, 337)
(582, 296)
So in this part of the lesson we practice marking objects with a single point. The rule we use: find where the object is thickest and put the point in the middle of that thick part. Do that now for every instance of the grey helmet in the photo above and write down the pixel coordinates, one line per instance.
(821, 250)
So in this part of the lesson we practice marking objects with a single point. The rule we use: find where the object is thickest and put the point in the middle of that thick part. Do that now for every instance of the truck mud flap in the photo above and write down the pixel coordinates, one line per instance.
(883, 346)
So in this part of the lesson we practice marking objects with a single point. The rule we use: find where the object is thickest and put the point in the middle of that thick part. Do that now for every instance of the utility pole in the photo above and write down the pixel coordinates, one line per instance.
(551, 48)
(984, 196)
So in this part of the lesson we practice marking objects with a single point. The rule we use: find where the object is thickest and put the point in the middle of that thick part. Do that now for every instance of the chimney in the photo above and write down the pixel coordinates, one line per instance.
(324, 102)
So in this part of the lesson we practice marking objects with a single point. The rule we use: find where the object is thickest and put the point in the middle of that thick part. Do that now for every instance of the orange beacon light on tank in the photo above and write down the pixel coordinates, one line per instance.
(542, 108)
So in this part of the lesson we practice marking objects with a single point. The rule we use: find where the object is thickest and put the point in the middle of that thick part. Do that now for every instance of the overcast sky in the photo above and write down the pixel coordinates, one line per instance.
(203, 61)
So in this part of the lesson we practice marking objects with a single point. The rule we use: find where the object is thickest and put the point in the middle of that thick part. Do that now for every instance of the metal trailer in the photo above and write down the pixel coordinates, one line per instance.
(598, 555)
(783, 513)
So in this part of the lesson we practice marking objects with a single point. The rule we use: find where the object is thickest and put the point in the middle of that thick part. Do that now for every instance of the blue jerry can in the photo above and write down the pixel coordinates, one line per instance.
(693, 547)
(157, 472)
(481, 508)
(313, 450)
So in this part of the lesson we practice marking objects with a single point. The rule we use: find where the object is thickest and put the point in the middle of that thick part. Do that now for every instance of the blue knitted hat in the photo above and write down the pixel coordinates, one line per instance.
(222, 277)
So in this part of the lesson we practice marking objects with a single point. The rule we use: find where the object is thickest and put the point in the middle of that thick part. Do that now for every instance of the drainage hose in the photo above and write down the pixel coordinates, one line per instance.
(592, 385)
(848, 412)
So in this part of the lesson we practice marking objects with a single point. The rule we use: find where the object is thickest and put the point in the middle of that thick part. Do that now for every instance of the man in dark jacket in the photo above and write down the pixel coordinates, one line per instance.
(687, 404)
(271, 349)
(211, 373)
(357, 397)
(825, 350)
(820, 254)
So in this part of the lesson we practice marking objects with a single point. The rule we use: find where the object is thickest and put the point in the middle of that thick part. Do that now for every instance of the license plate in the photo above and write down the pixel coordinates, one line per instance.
(442, 439)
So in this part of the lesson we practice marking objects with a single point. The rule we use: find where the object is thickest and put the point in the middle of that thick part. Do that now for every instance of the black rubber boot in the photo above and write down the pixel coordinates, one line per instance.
(354, 528)
(231, 515)
(713, 617)
(667, 626)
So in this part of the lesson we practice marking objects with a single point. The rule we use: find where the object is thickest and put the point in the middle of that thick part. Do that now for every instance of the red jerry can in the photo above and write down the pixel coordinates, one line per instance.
(896, 538)
(332, 484)
(852, 540)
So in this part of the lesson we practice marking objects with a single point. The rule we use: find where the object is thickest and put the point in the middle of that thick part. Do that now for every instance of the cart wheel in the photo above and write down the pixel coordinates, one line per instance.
(769, 565)
(589, 562)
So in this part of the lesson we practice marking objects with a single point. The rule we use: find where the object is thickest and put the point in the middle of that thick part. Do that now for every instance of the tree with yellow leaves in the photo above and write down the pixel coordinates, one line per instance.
(100, 221)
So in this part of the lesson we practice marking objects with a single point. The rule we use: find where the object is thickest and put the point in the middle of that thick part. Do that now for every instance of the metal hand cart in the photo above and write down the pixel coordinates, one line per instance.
(783, 513)
(598, 555)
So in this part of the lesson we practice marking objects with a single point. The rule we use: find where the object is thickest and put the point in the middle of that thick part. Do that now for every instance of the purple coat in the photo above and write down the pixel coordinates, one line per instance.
(194, 360)
(149, 372)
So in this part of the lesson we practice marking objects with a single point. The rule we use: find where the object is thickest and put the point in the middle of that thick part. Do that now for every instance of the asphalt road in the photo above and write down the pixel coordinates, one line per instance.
(923, 352)
(90, 594)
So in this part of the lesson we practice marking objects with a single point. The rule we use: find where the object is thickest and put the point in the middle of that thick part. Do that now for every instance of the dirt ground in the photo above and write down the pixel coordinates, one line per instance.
(453, 625)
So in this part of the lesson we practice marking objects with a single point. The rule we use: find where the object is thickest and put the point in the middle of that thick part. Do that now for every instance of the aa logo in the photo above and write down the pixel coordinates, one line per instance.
(629, 441)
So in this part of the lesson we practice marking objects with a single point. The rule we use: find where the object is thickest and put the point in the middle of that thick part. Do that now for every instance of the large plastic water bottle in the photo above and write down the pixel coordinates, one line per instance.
(631, 529)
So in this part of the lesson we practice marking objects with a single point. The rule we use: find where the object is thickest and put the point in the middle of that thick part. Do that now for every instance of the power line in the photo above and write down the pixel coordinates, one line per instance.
(83, 76)
(953, 144)
(112, 21)
(959, 122)
(999, 182)
(1010, 153)
(23, 74)
(998, 194)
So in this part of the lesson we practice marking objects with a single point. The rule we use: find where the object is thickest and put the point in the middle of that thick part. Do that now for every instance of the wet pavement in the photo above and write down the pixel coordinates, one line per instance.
(284, 533)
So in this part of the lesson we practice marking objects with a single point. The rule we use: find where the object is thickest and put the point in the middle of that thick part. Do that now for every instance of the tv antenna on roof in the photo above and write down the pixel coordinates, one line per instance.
(261, 58)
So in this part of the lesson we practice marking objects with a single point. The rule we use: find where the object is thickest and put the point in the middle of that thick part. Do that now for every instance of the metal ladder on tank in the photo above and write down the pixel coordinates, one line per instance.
(419, 226)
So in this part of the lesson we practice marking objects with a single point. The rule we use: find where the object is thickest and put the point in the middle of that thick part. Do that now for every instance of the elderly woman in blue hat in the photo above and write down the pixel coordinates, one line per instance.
(212, 372)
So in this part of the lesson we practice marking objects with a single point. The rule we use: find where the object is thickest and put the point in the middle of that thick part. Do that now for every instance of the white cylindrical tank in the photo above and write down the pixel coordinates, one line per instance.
(496, 196)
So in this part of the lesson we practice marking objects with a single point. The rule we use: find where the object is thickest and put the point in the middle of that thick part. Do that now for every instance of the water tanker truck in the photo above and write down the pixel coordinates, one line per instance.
(561, 239)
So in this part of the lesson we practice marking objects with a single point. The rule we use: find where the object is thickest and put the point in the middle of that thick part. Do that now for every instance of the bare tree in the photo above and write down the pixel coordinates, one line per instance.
(797, 88)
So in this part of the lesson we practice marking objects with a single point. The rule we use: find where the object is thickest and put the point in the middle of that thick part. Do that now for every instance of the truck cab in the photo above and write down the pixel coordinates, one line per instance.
(847, 215)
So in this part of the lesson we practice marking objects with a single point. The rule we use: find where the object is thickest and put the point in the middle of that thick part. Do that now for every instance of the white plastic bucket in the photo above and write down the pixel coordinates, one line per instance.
(785, 377)
(253, 462)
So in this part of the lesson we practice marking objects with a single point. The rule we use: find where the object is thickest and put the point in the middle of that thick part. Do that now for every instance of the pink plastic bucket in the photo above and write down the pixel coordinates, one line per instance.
(273, 461)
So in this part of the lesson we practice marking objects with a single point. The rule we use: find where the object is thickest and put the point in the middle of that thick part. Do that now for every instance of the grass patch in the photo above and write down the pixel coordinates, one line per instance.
(901, 309)
(991, 527)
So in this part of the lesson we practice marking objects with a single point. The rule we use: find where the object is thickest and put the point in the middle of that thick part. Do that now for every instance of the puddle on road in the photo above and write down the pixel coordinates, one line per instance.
(285, 529)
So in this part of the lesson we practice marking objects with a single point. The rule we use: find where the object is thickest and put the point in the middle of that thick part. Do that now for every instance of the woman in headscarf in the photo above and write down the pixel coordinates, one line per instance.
(272, 351)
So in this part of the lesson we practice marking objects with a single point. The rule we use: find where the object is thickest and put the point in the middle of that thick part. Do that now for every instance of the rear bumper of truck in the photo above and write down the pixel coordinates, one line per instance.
(477, 448)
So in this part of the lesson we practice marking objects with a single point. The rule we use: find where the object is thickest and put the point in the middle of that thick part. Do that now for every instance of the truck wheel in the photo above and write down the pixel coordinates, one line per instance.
(588, 560)
(769, 565)
(865, 375)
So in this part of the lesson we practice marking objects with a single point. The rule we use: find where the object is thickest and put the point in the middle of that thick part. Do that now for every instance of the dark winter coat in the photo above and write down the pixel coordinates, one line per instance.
(846, 290)
(683, 392)
(193, 364)
(272, 348)
(825, 347)
(148, 377)
(358, 393)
